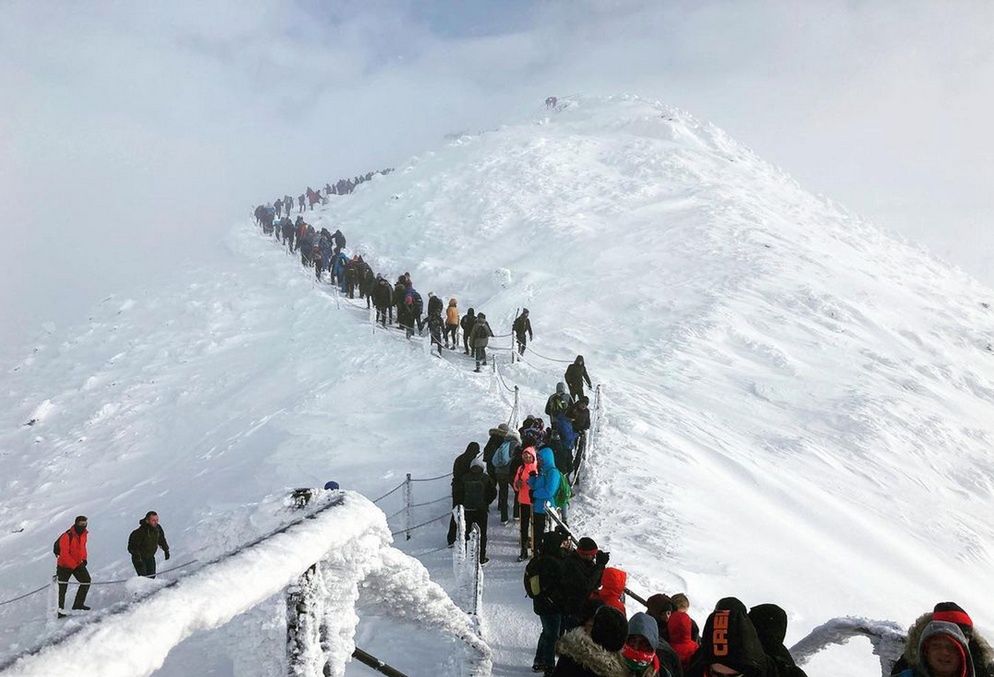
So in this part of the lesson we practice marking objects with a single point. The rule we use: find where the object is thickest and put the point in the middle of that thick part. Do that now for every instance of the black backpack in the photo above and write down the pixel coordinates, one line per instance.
(474, 491)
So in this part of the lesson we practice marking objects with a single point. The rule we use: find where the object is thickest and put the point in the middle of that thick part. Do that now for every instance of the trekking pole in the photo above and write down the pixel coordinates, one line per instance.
(408, 500)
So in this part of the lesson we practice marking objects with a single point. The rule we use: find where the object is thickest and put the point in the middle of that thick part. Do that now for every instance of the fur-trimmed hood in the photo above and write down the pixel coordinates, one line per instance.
(981, 650)
(585, 652)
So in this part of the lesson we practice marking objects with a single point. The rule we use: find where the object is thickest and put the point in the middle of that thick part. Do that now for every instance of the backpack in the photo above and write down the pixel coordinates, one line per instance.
(564, 494)
(474, 492)
(555, 405)
(502, 457)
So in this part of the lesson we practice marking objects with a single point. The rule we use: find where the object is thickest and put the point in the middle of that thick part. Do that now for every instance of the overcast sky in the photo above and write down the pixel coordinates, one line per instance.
(133, 135)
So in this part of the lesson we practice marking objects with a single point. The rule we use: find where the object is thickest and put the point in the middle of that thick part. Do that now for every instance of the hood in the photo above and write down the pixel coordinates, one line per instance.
(560, 388)
(645, 625)
(529, 450)
(578, 360)
(729, 638)
(546, 458)
(980, 649)
(472, 449)
(585, 652)
(770, 622)
(952, 631)
(613, 583)
(678, 627)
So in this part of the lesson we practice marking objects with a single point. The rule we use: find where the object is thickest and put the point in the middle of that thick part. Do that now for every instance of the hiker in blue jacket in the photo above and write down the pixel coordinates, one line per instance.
(338, 263)
(544, 486)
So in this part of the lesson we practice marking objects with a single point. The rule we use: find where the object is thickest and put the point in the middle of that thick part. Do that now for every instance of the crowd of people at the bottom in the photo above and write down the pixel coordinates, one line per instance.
(71, 557)
(580, 602)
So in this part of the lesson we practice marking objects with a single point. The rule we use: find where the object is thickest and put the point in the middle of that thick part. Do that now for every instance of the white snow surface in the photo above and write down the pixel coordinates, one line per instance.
(797, 406)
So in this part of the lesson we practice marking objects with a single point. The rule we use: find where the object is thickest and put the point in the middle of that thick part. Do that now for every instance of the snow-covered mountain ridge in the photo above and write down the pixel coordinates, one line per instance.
(797, 405)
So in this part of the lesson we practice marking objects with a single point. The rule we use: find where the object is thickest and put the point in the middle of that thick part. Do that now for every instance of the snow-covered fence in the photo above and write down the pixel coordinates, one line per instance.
(409, 506)
(466, 565)
(887, 638)
(325, 554)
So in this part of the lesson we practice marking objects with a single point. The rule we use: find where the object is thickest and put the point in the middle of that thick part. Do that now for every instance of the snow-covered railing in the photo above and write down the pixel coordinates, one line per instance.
(341, 542)
(466, 566)
(887, 638)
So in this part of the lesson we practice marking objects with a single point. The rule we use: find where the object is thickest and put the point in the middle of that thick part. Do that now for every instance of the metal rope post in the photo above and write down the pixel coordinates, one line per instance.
(408, 500)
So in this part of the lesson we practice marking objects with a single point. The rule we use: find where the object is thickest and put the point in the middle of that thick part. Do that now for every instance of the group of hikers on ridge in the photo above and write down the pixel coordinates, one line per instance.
(580, 600)
(284, 206)
(324, 251)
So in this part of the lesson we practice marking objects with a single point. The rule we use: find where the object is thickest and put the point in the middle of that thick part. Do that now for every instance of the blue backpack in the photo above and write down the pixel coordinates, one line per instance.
(502, 457)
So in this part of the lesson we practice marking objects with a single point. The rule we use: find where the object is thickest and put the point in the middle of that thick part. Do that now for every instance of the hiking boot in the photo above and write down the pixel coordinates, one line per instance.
(484, 560)
(82, 607)
(523, 557)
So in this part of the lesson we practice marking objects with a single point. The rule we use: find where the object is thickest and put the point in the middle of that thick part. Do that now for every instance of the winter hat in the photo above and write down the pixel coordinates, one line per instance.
(951, 612)
(731, 604)
(477, 462)
(482, 316)
(502, 427)
(331, 485)
(610, 629)
(452, 303)
(657, 605)
(645, 625)
(586, 546)
(524, 311)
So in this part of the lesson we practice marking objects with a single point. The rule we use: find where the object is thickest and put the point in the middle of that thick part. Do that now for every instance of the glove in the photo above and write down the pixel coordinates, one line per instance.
(167, 554)
(84, 563)
(602, 558)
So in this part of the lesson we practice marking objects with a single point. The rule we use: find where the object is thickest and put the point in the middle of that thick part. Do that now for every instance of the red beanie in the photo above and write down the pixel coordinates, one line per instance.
(951, 612)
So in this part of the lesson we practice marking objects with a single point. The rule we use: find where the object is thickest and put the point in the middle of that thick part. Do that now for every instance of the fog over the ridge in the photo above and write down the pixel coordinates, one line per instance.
(133, 135)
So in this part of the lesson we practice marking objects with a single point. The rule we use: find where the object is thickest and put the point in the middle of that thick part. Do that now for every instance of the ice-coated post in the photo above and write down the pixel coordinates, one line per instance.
(476, 573)
(408, 500)
(459, 549)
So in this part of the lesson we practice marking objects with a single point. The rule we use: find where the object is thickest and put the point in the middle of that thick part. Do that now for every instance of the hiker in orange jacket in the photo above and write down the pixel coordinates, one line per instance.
(70, 551)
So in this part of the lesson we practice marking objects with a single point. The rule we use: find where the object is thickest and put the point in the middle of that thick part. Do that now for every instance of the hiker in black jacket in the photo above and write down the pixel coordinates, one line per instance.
(729, 641)
(575, 375)
(521, 326)
(770, 622)
(144, 542)
(467, 322)
(459, 469)
(478, 492)
(582, 571)
(543, 583)
(383, 300)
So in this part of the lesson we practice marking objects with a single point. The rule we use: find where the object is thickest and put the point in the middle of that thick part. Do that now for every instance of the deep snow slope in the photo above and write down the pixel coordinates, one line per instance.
(797, 406)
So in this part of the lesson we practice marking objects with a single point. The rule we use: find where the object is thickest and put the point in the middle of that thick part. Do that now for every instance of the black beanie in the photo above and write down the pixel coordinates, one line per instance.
(589, 609)
(610, 629)
(587, 544)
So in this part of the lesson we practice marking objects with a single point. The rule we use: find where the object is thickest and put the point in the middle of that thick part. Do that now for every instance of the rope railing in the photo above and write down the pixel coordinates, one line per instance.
(92, 583)
(406, 530)
(550, 359)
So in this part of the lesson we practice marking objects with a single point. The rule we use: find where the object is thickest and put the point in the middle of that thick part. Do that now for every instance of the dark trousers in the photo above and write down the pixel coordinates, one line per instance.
(479, 518)
(538, 526)
(481, 355)
(545, 652)
(453, 330)
(521, 344)
(503, 484)
(526, 521)
(81, 575)
(465, 341)
(144, 566)
(576, 391)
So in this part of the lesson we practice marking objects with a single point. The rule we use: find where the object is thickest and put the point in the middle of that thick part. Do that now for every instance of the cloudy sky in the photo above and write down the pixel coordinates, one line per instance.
(132, 135)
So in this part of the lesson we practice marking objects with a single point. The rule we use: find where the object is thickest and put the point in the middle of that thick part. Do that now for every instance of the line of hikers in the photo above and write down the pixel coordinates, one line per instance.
(71, 556)
(284, 205)
(323, 251)
(580, 601)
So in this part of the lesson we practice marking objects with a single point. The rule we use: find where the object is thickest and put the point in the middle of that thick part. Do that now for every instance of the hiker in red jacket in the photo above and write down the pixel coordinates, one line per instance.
(70, 550)
(612, 590)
